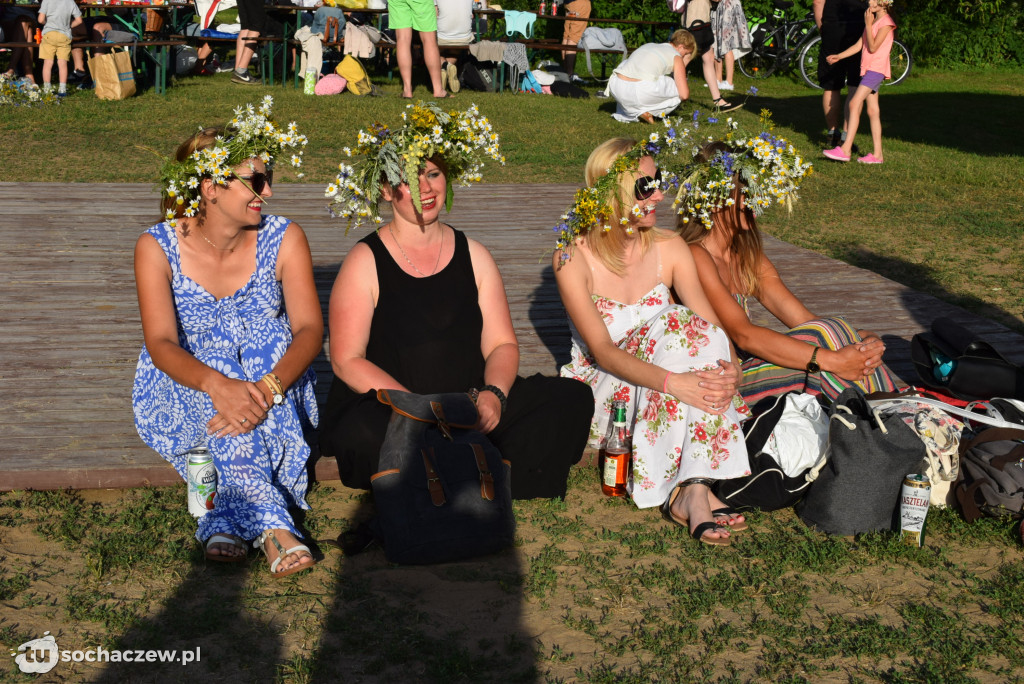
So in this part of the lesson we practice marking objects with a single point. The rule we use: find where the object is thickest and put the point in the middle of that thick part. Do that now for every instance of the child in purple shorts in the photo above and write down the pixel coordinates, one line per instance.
(874, 46)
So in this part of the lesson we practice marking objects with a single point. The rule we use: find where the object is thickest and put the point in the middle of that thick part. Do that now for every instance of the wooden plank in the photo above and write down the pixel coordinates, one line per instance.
(71, 336)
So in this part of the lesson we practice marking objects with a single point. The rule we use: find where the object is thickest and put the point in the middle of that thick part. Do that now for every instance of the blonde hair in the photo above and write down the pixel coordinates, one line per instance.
(746, 246)
(200, 141)
(686, 39)
(608, 245)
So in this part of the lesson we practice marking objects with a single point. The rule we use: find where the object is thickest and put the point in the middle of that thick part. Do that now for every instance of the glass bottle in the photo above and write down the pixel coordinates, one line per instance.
(616, 455)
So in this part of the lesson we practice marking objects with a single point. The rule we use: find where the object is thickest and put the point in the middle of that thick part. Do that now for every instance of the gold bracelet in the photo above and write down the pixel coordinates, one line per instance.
(274, 383)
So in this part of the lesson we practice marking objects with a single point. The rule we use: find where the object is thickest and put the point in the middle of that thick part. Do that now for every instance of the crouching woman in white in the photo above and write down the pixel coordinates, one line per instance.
(652, 81)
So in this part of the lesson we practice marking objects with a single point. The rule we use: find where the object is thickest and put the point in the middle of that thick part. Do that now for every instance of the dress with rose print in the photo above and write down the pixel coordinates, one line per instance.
(672, 441)
(260, 474)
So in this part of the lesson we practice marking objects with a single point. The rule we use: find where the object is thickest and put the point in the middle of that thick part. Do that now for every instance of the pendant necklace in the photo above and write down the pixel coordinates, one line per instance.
(439, 250)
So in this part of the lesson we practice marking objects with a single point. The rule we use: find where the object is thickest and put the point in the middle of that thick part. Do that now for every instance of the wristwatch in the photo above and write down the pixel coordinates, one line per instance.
(812, 365)
(274, 383)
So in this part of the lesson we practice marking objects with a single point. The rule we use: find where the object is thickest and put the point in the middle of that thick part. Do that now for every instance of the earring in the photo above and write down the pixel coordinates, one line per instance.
(213, 200)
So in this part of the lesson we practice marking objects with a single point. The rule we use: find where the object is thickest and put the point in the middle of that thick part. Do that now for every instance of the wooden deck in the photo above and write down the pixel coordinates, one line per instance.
(71, 332)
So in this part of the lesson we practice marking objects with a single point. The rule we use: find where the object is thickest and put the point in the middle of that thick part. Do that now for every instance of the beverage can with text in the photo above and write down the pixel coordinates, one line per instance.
(915, 496)
(202, 481)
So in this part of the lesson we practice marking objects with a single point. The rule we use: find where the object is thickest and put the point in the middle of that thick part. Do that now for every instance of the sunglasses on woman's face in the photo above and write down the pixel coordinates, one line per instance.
(646, 185)
(257, 181)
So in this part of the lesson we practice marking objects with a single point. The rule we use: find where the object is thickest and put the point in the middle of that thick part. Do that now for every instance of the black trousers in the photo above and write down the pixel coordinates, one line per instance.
(542, 433)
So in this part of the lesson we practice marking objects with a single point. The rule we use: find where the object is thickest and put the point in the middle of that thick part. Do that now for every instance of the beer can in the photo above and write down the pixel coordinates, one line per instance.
(202, 481)
(915, 496)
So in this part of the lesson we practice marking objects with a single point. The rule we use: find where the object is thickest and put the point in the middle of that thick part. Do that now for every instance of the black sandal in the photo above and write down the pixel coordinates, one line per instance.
(730, 512)
(698, 532)
(722, 105)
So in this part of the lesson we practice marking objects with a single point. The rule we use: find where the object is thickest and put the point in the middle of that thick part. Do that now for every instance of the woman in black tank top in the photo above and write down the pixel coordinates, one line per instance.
(418, 306)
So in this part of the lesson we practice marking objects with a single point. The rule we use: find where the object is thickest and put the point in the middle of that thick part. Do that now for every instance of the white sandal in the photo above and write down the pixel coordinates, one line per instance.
(283, 553)
(231, 540)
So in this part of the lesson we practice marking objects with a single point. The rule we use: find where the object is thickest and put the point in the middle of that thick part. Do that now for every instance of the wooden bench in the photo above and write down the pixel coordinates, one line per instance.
(270, 48)
(157, 51)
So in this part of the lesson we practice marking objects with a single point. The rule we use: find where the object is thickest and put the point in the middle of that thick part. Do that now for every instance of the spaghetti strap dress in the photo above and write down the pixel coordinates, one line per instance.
(260, 474)
(672, 441)
(426, 332)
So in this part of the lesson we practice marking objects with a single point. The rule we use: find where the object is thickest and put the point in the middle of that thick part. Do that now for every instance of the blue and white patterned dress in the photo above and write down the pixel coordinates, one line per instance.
(259, 474)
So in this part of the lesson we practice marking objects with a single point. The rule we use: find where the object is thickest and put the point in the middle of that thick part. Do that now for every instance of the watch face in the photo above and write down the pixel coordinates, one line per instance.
(813, 367)
(278, 399)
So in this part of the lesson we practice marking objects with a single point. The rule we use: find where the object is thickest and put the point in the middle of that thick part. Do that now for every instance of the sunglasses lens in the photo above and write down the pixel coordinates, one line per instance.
(258, 181)
(645, 185)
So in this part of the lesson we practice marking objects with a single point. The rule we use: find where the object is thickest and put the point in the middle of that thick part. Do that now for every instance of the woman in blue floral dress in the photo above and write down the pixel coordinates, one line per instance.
(644, 332)
(223, 364)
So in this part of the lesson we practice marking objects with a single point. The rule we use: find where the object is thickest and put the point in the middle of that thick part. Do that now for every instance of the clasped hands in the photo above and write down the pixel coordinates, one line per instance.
(240, 405)
(710, 391)
(860, 359)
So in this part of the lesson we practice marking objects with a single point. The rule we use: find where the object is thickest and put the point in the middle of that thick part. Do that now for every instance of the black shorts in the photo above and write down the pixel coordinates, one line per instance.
(836, 37)
(252, 16)
(702, 35)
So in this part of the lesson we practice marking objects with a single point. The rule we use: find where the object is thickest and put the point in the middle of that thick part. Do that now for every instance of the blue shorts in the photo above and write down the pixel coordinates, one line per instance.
(872, 79)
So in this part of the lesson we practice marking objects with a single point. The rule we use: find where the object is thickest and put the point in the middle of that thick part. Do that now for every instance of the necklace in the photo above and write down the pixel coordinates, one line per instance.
(202, 234)
(440, 248)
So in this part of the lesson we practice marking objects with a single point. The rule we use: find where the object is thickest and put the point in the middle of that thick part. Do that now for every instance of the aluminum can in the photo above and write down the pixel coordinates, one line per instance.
(202, 481)
(554, 8)
(915, 495)
(543, 8)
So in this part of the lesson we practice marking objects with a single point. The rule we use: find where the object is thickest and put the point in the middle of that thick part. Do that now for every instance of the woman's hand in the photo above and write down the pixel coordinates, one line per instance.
(240, 406)
(855, 361)
(489, 407)
(710, 391)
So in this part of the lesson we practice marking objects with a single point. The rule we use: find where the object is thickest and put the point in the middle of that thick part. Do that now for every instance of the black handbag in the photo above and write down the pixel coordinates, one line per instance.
(443, 492)
(869, 454)
(950, 358)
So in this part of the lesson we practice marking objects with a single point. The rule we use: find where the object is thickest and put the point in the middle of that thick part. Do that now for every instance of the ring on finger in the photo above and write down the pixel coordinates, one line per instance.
(244, 421)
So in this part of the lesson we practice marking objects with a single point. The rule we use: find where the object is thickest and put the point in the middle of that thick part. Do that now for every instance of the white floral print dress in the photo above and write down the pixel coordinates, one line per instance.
(672, 441)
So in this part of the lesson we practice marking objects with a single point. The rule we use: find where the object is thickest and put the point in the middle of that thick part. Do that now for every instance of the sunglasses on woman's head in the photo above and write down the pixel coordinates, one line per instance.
(646, 185)
(257, 181)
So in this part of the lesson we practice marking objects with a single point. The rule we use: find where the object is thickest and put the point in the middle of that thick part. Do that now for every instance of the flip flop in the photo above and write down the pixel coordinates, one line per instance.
(698, 532)
(730, 512)
(283, 553)
(230, 539)
(725, 106)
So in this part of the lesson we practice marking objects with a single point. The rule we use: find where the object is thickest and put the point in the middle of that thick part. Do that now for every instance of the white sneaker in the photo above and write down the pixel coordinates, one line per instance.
(725, 85)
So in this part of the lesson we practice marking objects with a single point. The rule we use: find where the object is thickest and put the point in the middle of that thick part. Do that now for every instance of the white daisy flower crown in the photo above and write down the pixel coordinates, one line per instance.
(251, 134)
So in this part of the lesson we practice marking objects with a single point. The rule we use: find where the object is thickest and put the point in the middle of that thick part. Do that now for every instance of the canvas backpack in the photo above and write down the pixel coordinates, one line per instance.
(351, 69)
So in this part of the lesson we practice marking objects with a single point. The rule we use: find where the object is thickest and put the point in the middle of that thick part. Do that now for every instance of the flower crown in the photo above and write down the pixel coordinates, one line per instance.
(251, 134)
(769, 166)
(394, 156)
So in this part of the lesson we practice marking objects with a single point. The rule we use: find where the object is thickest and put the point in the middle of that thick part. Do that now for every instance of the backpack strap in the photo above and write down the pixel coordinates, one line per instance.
(433, 479)
(486, 479)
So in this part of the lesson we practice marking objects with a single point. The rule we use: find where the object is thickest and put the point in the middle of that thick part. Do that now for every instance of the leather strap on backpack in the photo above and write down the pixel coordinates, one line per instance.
(486, 479)
(433, 479)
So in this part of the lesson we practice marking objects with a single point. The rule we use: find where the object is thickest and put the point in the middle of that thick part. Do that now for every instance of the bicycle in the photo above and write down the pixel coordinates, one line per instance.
(899, 59)
(776, 43)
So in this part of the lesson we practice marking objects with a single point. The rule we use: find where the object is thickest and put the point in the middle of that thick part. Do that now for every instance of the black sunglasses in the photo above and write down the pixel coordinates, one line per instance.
(257, 181)
(646, 185)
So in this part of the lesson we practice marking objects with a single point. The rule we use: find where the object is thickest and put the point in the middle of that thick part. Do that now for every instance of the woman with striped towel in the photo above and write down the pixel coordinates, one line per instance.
(816, 355)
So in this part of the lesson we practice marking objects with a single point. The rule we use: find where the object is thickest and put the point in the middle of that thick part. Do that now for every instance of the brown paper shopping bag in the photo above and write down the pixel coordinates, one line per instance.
(113, 75)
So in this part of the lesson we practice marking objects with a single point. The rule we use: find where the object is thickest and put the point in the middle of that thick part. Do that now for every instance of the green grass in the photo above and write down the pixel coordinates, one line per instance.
(580, 599)
(942, 215)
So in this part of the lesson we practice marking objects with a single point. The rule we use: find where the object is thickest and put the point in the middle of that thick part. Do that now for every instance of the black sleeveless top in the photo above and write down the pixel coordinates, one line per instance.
(425, 332)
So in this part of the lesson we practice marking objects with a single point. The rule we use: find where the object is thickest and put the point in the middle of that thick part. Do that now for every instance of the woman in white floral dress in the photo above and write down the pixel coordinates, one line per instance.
(644, 332)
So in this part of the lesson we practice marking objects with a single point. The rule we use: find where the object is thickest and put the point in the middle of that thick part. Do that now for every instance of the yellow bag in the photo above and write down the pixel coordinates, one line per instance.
(351, 69)
(113, 75)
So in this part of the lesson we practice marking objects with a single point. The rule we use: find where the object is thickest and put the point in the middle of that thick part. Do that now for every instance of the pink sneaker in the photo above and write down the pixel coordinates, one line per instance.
(870, 159)
(837, 154)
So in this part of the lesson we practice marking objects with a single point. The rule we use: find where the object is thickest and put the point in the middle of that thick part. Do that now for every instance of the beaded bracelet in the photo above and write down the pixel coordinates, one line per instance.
(498, 393)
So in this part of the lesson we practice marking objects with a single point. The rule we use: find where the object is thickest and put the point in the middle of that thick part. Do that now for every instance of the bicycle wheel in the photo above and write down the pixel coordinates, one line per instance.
(809, 62)
(757, 64)
(900, 62)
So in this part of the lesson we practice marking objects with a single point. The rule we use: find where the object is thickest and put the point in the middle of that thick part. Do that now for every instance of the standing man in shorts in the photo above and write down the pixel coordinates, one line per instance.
(841, 23)
(253, 20)
(421, 15)
(572, 33)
